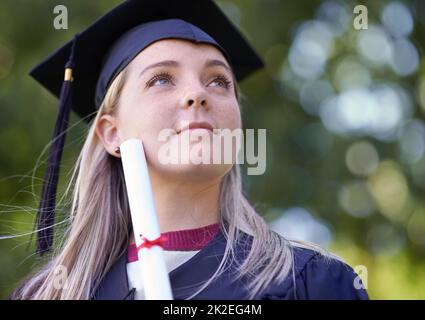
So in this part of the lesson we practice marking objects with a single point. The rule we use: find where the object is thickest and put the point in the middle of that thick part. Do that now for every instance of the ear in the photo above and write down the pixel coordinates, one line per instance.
(108, 133)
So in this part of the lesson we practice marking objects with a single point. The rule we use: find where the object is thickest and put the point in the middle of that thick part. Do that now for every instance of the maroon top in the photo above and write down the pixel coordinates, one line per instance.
(182, 240)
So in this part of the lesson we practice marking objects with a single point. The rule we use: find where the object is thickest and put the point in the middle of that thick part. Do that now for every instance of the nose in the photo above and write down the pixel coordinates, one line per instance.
(195, 99)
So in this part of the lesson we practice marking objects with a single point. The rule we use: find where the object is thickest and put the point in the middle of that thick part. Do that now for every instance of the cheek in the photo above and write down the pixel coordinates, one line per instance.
(228, 115)
(142, 119)
(140, 115)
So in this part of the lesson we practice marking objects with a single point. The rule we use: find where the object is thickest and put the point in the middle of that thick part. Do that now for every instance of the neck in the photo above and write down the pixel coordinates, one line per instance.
(184, 204)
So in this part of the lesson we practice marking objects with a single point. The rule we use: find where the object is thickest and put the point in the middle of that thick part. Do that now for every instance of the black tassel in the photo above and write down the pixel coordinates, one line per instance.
(46, 211)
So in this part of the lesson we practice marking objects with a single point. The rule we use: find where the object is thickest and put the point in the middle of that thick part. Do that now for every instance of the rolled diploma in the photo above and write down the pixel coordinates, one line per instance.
(155, 277)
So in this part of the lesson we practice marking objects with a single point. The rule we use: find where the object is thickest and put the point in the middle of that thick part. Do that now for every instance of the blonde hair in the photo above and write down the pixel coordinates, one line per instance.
(100, 222)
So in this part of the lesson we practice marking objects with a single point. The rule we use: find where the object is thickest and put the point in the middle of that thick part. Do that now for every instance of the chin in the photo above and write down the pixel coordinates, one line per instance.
(195, 172)
(189, 165)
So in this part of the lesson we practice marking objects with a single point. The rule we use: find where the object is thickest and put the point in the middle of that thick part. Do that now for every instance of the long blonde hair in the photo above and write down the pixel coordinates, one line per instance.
(100, 222)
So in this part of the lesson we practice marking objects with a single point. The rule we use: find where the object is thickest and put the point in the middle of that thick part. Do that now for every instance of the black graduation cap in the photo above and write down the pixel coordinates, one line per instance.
(95, 56)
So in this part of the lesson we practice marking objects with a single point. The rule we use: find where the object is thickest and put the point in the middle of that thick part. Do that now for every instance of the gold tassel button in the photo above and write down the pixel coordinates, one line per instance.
(68, 74)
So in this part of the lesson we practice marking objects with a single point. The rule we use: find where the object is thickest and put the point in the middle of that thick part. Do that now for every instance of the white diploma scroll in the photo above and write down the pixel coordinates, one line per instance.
(155, 277)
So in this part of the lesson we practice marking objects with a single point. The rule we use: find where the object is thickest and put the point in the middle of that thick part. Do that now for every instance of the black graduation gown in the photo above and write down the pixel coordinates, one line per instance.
(315, 278)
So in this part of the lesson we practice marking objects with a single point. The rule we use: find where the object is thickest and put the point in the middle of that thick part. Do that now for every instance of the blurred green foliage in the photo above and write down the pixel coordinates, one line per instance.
(343, 109)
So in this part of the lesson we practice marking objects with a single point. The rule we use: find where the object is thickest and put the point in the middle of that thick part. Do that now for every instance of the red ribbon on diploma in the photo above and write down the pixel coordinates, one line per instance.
(150, 243)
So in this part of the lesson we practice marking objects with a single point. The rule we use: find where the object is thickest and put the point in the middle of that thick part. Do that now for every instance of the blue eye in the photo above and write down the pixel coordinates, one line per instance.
(223, 80)
(164, 78)
(159, 77)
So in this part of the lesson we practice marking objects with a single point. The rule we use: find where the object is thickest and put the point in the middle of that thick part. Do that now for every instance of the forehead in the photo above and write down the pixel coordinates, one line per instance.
(178, 49)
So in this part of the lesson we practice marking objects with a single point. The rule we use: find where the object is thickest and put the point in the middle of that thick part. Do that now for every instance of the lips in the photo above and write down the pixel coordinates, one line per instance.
(197, 125)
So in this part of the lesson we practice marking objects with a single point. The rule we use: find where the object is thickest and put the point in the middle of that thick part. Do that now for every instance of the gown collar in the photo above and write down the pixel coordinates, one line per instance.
(184, 281)
(182, 240)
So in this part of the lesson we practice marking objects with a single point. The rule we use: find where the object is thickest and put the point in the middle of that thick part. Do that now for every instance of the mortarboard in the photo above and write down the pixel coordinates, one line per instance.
(95, 56)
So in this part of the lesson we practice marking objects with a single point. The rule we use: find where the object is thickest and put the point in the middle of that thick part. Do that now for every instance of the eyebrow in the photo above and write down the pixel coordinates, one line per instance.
(174, 64)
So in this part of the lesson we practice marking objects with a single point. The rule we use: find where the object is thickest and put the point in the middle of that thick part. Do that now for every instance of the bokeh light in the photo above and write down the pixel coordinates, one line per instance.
(362, 158)
(412, 141)
(298, 223)
(397, 19)
(390, 190)
(377, 112)
(356, 200)
(375, 45)
(310, 50)
(385, 239)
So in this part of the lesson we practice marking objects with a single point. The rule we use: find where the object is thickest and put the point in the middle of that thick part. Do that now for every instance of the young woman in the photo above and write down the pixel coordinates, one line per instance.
(155, 75)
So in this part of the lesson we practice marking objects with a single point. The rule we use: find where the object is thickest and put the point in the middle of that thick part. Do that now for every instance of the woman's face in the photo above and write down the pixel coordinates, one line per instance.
(170, 84)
